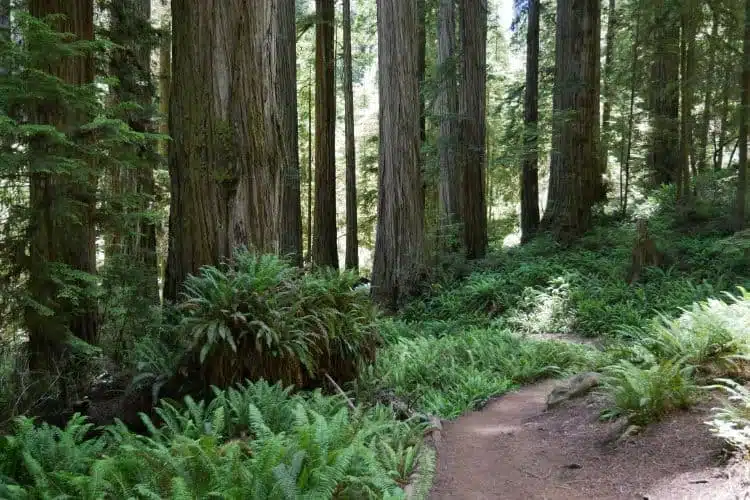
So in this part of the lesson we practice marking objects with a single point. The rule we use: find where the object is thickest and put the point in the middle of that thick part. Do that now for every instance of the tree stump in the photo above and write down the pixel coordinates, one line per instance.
(644, 252)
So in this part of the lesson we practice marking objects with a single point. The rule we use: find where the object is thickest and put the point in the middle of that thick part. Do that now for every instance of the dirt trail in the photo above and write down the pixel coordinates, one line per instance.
(514, 449)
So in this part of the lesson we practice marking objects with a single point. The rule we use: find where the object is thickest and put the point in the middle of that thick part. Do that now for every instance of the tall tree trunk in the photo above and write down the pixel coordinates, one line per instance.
(574, 167)
(422, 64)
(352, 240)
(606, 91)
(724, 120)
(744, 116)
(628, 134)
(285, 71)
(134, 232)
(529, 168)
(225, 158)
(447, 111)
(325, 244)
(686, 99)
(664, 157)
(399, 243)
(473, 126)
(310, 201)
(165, 80)
(708, 100)
(62, 226)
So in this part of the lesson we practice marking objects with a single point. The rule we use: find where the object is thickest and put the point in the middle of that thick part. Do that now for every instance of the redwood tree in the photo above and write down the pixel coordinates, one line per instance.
(529, 167)
(226, 154)
(62, 204)
(352, 241)
(447, 111)
(664, 157)
(473, 126)
(574, 168)
(399, 243)
(284, 65)
(325, 248)
(744, 116)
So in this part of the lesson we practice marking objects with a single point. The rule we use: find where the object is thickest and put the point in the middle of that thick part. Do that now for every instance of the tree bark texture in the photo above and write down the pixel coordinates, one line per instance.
(574, 168)
(664, 157)
(687, 56)
(744, 116)
(325, 244)
(529, 167)
(165, 82)
(399, 243)
(352, 241)
(227, 151)
(708, 103)
(284, 37)
(62, 207)
(422, 58)
(447, 111)
(607, 94)
(473, 126)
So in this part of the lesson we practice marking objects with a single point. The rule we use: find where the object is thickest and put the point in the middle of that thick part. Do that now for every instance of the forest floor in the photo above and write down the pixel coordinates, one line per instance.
(515, 448)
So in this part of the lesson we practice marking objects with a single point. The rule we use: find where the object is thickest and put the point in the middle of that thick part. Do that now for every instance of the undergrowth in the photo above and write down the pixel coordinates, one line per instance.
(251, 441)
(450, 374)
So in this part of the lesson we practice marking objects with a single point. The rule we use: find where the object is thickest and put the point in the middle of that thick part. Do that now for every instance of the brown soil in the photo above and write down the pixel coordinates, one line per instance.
(514, 449)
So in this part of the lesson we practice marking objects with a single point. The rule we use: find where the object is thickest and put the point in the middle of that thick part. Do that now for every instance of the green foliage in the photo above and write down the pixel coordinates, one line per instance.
(257, 316)
(667, 356)
(732, 422)
(459, 371)
(643, 395)
(252, 441)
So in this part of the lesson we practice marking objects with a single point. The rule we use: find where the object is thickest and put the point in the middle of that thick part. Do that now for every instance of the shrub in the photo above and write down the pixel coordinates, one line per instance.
(646, 394)
(258, 317)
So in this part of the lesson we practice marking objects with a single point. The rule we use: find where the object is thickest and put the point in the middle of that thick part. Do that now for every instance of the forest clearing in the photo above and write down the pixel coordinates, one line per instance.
(374, 249)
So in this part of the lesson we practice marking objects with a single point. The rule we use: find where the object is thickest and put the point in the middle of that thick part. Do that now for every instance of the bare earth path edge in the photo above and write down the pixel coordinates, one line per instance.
(515, 449)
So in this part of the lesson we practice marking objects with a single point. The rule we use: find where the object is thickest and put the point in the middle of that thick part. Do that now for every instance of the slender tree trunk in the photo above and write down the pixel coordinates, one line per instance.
(686, 100)
(574, 168)
(447, 111)
(325, 244)
(310, 200)
(529, 168)
(62, 226)
(399, 243)
(225, 159)
(708, 100)
(628, 143)
(724, 120)
(607, 94)
(165, 81)
(352, 240)
(743, 119)
(285, 63)
(664, 158)
(134, 232)
(472, 110)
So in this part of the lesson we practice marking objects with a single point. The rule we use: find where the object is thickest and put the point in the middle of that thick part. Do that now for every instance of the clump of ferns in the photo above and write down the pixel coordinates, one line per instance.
(257, 317)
